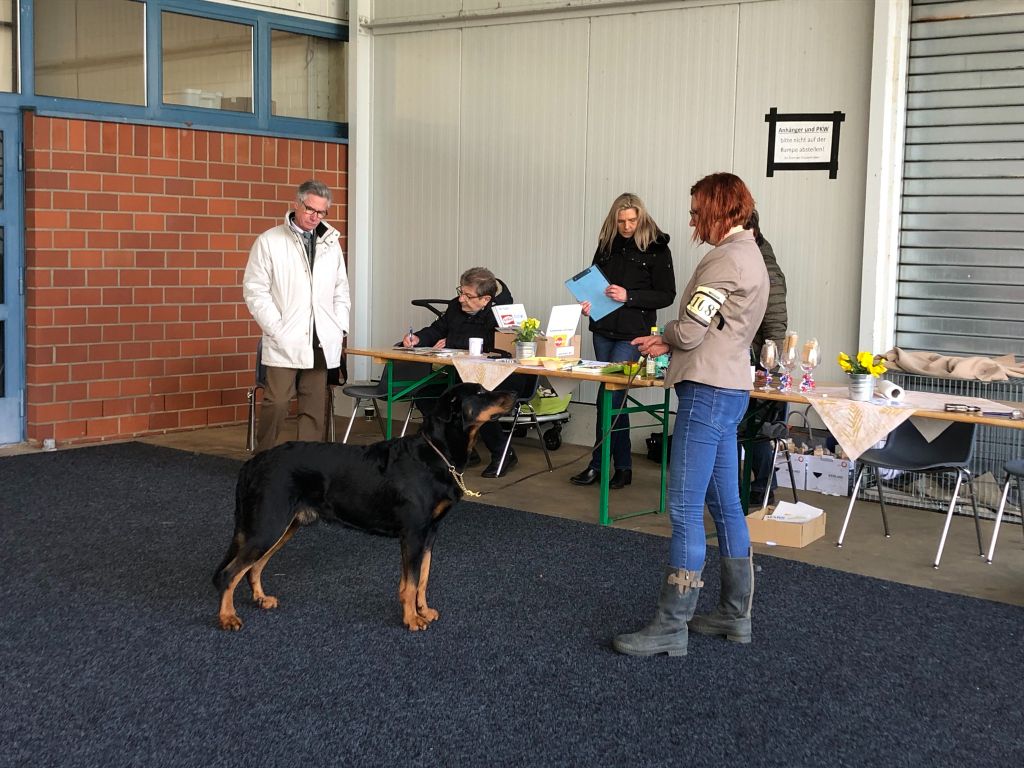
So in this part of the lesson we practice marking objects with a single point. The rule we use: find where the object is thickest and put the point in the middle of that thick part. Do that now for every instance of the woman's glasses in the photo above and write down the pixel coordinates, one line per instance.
(462, 292)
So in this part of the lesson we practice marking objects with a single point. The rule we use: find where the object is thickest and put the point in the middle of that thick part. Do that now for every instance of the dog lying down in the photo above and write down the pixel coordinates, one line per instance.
(401, 488)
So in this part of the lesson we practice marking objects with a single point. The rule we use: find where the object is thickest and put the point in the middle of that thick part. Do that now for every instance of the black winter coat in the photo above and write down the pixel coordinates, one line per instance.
(648, 279)
(458, 328)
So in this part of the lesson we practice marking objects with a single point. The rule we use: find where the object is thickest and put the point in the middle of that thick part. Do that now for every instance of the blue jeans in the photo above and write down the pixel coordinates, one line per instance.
(613, 351)
(704, 467)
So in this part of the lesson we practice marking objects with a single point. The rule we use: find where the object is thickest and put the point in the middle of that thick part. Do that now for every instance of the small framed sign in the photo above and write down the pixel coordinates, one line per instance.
(803, 142)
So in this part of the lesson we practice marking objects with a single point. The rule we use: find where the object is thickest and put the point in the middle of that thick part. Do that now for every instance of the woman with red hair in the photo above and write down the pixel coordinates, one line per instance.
(720, 311)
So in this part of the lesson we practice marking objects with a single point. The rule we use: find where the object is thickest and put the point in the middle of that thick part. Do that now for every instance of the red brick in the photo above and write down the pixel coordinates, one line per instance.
(179, 401)
(149, 368)
(148, 295)
(70, 316)
(118, 183)
(49, 374)
(69, 430)
(67, 277)
(130, 426)
(68, 161)
(46, 219)
(85, 334)
(102, 427)
(102, 202)
(85, 296)
(68, 201)
(101, 163)
(100, 239)
(193, 419)
(168, 420)
(86, 182)
(118, 333)
(86, 409)
(118, 370)
(104, 352)
(119, 407)
(93, 139)
(100, 277)
(116, 296)
(104, 389)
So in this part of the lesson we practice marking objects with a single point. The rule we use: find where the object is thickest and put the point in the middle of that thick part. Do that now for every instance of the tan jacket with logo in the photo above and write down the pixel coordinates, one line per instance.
(717, 353)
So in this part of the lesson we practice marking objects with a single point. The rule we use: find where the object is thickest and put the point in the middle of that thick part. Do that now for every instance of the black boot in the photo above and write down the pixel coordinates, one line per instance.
(588, 476)
(732, 616)
(492, 469)
(621, 479)
(667, 632)
(474, 459)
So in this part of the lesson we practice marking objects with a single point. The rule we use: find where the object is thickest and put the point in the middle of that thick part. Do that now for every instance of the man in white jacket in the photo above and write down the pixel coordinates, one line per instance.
(296, 287)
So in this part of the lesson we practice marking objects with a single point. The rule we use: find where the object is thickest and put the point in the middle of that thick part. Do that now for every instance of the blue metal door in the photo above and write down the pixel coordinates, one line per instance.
(12, 282)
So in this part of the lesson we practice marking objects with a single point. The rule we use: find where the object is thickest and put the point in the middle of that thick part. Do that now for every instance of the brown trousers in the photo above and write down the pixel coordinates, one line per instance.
(310, 387)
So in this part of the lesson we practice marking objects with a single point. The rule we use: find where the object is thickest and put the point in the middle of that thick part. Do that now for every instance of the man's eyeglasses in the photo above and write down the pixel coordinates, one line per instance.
(311, 210)
(462, 292)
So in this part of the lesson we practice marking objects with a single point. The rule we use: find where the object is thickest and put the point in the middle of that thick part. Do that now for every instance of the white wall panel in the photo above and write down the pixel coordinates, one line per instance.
(523, 152)
(659, 118)
(815, 224)
(415, 194)
(502, 142)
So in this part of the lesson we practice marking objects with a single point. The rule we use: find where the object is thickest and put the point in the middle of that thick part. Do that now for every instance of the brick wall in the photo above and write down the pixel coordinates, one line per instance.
(136, 238)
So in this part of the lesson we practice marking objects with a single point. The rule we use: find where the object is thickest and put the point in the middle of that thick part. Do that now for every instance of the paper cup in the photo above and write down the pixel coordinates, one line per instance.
(476, 346)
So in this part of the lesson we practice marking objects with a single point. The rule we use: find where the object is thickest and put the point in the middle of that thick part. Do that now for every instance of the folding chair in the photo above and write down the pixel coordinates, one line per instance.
(375, 391)
(525, 387)
(906, 449)
(1014, 471)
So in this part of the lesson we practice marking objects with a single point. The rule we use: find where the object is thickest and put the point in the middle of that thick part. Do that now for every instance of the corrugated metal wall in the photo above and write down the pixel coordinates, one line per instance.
(961, 284)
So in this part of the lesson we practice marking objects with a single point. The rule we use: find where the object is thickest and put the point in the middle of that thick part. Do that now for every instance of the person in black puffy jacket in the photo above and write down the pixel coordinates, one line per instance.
(635, 258)
(469, 315)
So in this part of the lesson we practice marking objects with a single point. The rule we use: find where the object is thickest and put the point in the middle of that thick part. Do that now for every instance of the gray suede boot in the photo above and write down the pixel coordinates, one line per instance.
(667, 632)
(732, 616)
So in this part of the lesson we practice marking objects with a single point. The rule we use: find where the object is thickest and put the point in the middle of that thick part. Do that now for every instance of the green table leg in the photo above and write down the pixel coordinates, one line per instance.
(606, 452)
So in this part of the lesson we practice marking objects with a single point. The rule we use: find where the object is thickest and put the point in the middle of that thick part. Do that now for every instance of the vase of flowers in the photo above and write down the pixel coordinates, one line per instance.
(526, 338)
(862, 372)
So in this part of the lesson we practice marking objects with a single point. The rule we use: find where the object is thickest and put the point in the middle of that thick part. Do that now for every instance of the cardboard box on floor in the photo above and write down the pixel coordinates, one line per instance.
(554, 347)
(799, 471)
(784, 534)
(829, 475)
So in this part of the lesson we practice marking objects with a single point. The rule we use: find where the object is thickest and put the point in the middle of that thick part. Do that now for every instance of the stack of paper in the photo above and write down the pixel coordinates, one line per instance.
(786, 512)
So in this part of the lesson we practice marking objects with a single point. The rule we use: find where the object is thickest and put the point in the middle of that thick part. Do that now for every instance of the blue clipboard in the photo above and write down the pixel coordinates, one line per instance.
(589, 285)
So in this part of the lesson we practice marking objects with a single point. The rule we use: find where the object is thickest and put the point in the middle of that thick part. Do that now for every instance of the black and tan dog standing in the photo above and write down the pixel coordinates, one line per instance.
(401, 488)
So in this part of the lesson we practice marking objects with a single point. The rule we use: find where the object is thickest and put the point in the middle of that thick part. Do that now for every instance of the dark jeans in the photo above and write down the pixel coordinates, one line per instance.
(761, 456)
(613, 351)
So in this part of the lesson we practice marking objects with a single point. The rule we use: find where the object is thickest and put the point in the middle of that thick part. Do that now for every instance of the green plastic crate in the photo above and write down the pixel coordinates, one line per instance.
(544, 406)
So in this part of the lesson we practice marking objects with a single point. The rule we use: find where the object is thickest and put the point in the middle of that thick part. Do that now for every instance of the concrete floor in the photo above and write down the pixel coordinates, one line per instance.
(906, 557)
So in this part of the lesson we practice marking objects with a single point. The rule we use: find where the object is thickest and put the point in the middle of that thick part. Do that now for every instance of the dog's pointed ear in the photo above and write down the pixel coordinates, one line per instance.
(447, 407)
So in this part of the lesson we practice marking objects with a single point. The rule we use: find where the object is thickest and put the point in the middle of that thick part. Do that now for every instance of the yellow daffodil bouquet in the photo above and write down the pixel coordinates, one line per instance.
(864, 363)
(527, 330)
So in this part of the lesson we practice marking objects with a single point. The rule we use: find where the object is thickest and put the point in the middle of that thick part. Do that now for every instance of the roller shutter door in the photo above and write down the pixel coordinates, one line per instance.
(961, 274)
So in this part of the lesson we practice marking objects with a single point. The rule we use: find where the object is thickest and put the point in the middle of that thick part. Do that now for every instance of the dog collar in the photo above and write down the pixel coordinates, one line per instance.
(456, 475)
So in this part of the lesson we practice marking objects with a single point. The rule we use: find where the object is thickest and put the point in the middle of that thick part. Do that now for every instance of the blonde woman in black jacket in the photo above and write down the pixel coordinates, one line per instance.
(634, 256)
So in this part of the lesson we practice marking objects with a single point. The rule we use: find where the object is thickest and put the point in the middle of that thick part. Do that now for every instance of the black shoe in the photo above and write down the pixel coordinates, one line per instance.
(621, 479)
(474, 459)
(757, 499)
(588, 476)
(492, 469)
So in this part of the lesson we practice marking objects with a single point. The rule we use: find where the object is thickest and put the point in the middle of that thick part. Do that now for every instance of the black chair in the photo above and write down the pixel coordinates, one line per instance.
(1014, 471)
(906, 449)
(374, 391)
(437, 306)
(759, 426)
(525, 387)
(777, 434)
(260, 383)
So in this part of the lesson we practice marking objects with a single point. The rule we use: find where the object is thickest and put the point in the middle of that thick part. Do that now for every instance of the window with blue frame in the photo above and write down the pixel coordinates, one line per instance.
(204, 64)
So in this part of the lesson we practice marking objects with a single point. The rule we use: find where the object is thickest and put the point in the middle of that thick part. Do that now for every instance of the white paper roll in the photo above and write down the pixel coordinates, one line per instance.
(889, 390)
